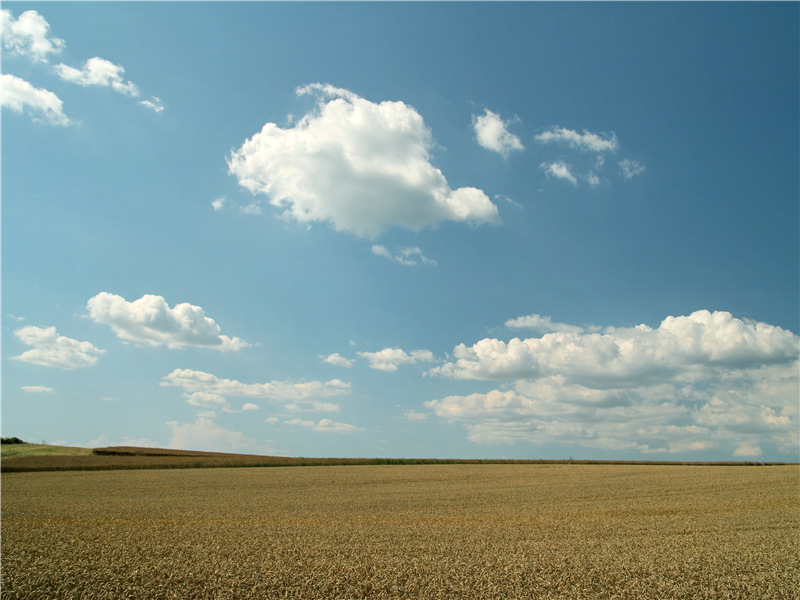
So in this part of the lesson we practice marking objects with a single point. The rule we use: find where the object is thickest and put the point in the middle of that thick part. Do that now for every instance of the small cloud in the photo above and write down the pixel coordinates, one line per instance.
(42, 105)
(153, 104)
(585, 142)
(271, 420)
(37, 389)
(247, 406)
(101, 73)
(559, 170)
(406, 256)
(218, 203)
(414, 415)
(53, 350)
(338, 360)
(492, 133)
(388, 359)
(630, 168)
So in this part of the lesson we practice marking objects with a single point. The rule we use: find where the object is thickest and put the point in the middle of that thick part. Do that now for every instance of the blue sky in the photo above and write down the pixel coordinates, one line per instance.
(524, 230)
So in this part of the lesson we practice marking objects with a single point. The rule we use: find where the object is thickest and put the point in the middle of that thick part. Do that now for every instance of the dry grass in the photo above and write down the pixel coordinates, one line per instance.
(433, 531)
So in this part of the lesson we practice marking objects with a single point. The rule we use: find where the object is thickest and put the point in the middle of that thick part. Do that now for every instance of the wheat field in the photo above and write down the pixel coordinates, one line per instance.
(421, 531)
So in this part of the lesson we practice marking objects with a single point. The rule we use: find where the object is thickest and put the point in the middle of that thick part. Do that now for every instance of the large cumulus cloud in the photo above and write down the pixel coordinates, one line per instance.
(361, 166)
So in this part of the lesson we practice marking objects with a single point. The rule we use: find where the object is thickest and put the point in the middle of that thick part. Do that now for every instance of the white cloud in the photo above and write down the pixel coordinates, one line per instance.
(271, 420)
(747, 450)
(362, 166)
(209, 391)
(53, 350)
(206, 435)
(218, 203)
(406, 256)
(540, 323)
(559, 170)
(338, 360)
(37, 389)
(414, 415)
(325, 425)
(150, 321)
(696, 382)
(630, 168)
(99, 72)
(586, 141)
(389, 358)
(43, 105)
(155, 104)
(248, 406)
(492, 133)
(29, 36)
(634, 354)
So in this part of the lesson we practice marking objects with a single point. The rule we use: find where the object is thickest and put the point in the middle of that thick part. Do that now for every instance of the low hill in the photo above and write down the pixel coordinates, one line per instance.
(39, 457)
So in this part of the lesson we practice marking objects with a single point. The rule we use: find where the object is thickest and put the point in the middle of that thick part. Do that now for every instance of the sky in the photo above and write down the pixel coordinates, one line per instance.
(444, 230)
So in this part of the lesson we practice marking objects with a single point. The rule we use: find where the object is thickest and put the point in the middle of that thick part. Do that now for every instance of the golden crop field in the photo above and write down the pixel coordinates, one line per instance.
(421, 531)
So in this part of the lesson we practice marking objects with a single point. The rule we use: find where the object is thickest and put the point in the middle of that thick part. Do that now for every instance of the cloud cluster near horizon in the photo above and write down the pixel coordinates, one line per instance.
(694, 383)
(361, 166)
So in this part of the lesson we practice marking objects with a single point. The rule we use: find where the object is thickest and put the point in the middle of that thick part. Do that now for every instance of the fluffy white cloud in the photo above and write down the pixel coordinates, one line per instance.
(586, 141)
(37, 389)
(362, 166)
(697, 382)
(29, 35)
(150, 321)
(630, 168)
(325, 425)
(43, 105)
(559, 170)
(337, 360)
(53, 350)
(389, 358)
(492, 133)
(218, 203)
(98, 72)
(680, 345)
(209, 391)
(406, 256)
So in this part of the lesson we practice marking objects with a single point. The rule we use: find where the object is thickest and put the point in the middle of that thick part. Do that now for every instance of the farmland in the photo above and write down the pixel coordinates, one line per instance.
(404, 531)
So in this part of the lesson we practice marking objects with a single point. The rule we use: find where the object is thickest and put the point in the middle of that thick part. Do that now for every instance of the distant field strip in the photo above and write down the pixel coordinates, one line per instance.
(432, 531)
